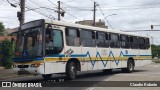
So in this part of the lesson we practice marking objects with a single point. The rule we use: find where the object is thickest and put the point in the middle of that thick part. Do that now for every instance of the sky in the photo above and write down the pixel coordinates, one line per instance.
(130, 14)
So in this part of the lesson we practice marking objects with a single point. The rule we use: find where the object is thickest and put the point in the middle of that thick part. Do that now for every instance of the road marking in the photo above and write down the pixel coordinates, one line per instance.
(157, 66)
(90, 88)
(138, 74)
(154, 65)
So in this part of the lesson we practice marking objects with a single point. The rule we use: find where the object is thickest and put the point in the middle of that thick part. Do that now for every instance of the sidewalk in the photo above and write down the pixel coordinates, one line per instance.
(6, 73)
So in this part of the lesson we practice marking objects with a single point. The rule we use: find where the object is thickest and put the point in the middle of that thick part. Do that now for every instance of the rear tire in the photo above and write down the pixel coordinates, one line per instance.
(71, 71)
(46, 76)
(130, 67)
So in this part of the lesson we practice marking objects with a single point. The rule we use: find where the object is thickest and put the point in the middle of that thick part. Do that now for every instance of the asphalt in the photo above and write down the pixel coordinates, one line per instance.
(146, 73)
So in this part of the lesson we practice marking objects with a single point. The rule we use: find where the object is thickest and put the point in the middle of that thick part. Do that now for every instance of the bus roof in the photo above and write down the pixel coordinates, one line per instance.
(91, 28)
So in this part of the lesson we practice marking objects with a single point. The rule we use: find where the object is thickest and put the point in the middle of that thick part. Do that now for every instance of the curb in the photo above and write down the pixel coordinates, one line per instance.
(14, 76)
(2, 78)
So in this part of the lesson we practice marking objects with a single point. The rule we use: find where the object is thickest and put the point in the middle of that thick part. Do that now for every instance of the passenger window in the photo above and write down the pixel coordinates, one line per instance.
(88, 38)
(124, 41)
(134, 42)
(102, 39)
(141, 42)
(72, 37)
(114, 41)
(147, 43)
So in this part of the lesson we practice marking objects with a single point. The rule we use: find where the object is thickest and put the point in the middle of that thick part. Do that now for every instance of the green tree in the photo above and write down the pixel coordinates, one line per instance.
(1, 28)
(7, 48)
(155, 50)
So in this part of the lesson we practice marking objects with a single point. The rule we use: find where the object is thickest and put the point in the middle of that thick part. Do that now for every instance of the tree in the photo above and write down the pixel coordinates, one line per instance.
(155, 50)
(7, 48)
(1, 28)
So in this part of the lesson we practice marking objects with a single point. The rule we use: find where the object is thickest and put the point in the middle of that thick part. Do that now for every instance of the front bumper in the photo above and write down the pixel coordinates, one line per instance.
(28, 68)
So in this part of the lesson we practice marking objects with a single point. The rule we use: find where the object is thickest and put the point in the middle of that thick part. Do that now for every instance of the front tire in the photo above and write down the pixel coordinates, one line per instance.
(71, 71)
(130, 67)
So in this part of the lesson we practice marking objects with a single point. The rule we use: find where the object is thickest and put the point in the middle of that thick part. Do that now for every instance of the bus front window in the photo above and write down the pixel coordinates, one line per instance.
(54, 41)
(29, 42)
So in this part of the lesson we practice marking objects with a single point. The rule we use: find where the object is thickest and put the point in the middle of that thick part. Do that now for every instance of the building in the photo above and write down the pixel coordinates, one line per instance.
(100, 23)
(9, 31)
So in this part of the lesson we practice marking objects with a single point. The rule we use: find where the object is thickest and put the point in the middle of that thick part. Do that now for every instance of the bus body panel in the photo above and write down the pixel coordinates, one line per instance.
(90, 58)
(103, 54)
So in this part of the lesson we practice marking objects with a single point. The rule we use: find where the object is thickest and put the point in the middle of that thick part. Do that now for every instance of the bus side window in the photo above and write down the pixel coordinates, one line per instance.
(88, 38)
(72, 37)
(102, 39)
(114, 42)
(141, 42)
(134, 42)
(147, 43)
(124, 41)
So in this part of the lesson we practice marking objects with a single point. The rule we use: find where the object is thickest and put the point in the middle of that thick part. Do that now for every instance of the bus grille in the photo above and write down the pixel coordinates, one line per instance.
(23, 66)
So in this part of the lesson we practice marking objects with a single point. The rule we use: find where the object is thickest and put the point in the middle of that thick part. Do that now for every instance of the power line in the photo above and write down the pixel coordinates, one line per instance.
(37, 11)
(139, 5)
(79, 8)
(34, 9)
(52, 3)
(72, 15)
(54, 10)
(34, 2)
(43, 8)
(109, 9)
(128, 8)
(141, 30)
(70, 1)
(113, 8)
(105, 17)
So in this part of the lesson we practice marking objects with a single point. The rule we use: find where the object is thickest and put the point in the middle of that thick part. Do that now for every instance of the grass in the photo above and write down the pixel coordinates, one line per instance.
(156, 60)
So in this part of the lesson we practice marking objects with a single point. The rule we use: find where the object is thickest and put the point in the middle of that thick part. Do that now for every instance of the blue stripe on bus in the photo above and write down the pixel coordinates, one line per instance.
(74, 55)
(78, 55)
(27, 59)
(137, 55)
(56, 55)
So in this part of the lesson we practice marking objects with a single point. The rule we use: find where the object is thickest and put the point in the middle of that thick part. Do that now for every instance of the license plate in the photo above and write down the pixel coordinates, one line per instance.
(22, 69)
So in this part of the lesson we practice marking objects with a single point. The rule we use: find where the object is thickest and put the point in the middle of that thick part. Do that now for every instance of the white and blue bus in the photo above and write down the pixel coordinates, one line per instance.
(46, 47)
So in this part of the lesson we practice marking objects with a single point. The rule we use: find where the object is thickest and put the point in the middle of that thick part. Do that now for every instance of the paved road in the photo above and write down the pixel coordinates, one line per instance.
(146, 73)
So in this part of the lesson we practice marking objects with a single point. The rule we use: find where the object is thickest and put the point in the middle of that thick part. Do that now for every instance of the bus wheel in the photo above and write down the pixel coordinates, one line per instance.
(130, 67)
(71, 71)
(107, 70)
(46, 76)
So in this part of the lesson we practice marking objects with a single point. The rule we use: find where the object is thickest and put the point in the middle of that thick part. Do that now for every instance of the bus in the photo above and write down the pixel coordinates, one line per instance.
(46, 47)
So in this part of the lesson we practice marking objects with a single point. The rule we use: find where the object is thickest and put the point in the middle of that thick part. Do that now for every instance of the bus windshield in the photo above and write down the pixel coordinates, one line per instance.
(29, 42)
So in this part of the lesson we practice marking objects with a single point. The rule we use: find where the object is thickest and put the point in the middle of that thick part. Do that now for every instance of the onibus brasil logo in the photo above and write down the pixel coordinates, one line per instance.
(15, 84)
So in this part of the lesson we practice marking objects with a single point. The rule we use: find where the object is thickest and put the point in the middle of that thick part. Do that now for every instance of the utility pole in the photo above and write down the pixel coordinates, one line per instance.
(94, 14)
(22, 13)
(59, 12)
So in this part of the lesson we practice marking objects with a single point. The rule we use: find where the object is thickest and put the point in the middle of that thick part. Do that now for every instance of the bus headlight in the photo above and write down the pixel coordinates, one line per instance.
(35, 65)
(32, 65)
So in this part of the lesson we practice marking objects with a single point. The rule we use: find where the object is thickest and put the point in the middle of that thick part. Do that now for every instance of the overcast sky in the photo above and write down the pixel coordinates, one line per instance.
(131, 14)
